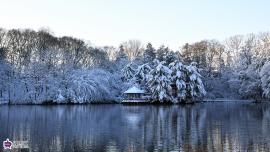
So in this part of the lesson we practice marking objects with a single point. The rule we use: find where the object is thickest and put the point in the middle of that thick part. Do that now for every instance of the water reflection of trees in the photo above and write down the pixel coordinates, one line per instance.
(201, 127)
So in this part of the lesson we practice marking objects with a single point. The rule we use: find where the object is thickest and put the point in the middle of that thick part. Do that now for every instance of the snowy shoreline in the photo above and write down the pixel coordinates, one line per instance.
(150, 103)
(228, 100)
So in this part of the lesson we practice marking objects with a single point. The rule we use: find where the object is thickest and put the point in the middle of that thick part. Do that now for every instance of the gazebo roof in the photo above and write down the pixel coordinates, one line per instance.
(134, 89)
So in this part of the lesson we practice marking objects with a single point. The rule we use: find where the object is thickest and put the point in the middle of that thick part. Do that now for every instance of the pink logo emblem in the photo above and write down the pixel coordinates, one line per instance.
(7, 144)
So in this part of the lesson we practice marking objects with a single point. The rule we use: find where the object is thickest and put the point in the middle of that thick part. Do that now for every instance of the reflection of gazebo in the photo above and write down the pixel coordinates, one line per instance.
(134, 94)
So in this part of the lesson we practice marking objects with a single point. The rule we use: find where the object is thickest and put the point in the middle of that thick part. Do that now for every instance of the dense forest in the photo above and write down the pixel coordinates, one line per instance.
(38, 67)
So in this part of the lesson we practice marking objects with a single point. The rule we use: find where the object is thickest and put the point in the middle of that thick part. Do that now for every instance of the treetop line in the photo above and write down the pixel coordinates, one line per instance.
(37, 67)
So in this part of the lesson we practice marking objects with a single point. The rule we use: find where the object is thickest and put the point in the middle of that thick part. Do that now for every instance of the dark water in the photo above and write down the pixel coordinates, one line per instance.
(200, 127)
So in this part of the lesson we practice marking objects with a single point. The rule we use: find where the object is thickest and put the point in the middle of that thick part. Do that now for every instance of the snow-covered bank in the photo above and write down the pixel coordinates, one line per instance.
(76, 86)
(227, 100)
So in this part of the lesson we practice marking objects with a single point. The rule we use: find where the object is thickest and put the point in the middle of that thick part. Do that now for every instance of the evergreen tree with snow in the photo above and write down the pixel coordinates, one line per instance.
(121, 59)
(159, 82)
(265, 79)
(194, 84)
(186, 53)
(149, 54)
(165, 54)
(170, 57)
(162, 52)
(178, 81)
(121, 55)
(141, 74)
(128, 72)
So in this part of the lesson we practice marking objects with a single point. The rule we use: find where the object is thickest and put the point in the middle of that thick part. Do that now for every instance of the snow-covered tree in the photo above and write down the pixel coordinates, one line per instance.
(33, 81)
(149, 54)
(82, 87)
(128, 72)
(195, 87)
(250, 86)
(178, 79)
(121, 55)
(170, 57)
(5, 70)
(142, 73)
(86, 86)
(161, 53)
(265, 79)
(121, 59)
(159, 82)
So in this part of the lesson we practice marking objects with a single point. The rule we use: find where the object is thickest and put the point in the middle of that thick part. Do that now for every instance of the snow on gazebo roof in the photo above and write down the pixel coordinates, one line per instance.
(134, 89)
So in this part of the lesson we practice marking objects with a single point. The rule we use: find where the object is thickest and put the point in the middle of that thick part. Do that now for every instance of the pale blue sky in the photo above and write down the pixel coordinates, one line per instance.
(110, 22)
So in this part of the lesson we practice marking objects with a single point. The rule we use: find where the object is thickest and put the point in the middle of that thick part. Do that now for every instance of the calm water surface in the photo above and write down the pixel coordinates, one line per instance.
(200, 127)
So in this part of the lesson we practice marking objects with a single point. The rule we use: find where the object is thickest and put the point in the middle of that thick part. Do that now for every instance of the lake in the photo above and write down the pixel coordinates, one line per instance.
(226, 126)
